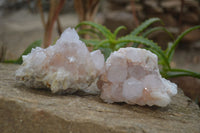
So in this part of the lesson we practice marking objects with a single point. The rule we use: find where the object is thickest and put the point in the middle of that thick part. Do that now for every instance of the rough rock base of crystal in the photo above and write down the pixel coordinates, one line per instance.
(67, 66)
(132, 76)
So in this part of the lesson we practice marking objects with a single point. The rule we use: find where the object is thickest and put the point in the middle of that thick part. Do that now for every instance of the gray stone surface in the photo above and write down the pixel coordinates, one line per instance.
(24, 110)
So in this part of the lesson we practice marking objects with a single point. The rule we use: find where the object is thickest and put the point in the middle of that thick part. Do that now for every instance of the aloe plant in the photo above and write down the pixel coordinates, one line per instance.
(107, 42)
(102, 38)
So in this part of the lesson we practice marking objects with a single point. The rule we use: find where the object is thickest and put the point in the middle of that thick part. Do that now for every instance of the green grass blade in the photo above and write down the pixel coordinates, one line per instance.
(172, 49)
(27, 51)
(181, 72)
(144, 25)
(152, 46)
(118, 29)
(105, 32)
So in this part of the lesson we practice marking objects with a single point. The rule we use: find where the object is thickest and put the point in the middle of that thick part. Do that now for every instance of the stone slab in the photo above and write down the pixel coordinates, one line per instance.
(25, 110)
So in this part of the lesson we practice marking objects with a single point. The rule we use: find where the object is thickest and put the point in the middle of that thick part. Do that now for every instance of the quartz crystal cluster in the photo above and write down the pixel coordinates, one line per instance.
(132, 76)
(67, 66)
(129, 75)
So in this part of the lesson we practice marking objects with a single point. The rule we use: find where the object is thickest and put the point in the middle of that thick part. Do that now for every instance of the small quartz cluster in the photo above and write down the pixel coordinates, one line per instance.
(65, 67)
(132, 76)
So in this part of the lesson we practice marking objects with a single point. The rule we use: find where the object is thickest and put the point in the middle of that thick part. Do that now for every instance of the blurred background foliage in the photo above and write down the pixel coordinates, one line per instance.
(22, 22)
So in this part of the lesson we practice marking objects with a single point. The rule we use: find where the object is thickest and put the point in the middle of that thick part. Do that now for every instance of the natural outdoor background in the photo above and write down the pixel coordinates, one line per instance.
(21, 24)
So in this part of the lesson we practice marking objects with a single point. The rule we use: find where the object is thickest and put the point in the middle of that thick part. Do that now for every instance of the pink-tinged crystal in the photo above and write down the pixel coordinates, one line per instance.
(132, 76)
(67, 66)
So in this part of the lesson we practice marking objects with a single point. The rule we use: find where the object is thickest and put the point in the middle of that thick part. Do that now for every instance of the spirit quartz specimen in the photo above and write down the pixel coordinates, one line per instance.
(132, 76)
(67, 66)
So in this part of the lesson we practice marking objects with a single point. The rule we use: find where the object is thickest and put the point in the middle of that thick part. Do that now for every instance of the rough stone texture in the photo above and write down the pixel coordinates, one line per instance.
(25, 110)
(190, 87)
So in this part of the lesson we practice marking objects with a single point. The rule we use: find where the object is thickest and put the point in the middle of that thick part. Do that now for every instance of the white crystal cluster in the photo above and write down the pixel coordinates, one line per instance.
(129, 75)
(67, 66)
(132, 76)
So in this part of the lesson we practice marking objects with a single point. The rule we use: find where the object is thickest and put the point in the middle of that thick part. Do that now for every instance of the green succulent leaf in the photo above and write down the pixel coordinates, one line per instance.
(167, 51)
(85, 31)
(27, 51)
(91, 42)
(120, 45)
(151, 30)
(102, 29)
(91, 32)
(172, 48)
(118, 29)
(135, 45)
(106, 52)
(144, 25)
(180, 72)
(104, 44)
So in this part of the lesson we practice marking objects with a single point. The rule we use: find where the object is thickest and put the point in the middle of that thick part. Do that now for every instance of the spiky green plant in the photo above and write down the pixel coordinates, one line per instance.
(169, 52)
(107, 42)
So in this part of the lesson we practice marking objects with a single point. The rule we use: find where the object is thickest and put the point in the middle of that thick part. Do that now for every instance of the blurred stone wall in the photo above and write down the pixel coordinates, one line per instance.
(10, 6)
